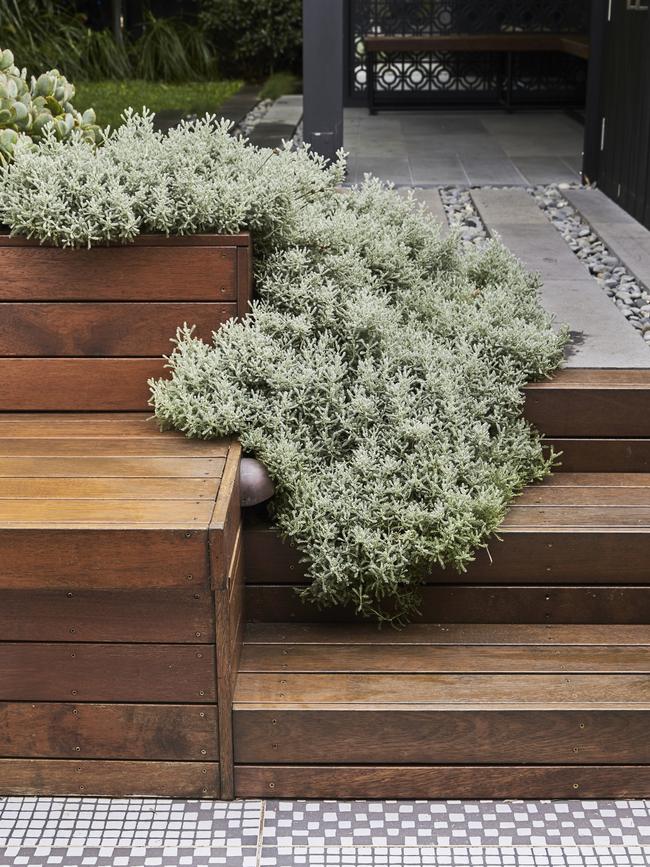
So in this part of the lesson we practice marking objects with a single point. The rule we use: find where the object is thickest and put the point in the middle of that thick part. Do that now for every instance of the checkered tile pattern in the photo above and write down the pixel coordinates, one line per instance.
(148, 832)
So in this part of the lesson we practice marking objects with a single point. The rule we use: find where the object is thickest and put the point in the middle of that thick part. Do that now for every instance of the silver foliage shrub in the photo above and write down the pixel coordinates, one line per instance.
(379, 374)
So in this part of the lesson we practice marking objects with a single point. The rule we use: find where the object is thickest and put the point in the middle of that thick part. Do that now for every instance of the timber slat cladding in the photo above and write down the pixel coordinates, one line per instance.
(330, 699)
(165, 271)
(474, 603)
(107, 672)
(591, 403)
(98, 328)
(110, 779)
(84, 330)
(440, 781)
(177, 616)
(97, 731)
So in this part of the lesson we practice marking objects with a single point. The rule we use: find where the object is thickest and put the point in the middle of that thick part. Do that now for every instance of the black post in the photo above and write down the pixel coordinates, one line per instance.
(322, 73)
(116, 20)
(593, 119)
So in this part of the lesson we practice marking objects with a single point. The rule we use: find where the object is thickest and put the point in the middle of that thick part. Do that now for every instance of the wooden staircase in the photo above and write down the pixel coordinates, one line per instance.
(528, 676)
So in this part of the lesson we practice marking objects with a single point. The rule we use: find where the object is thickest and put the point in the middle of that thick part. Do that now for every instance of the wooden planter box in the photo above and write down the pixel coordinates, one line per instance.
(120, 547)
(86, 329)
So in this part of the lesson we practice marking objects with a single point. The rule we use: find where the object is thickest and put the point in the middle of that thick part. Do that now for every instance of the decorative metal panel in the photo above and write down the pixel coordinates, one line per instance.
(458, 77)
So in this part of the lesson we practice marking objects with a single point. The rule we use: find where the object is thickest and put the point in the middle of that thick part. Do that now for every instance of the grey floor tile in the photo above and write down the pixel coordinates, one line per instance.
(396, 170)
(437, 170)
(546, 170)
(481, 170)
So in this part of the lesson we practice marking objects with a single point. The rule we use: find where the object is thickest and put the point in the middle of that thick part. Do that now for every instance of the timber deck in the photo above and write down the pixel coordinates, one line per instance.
(526, 676)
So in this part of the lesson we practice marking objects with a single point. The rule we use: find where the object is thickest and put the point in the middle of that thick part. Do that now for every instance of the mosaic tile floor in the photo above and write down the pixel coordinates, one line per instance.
(143, 832)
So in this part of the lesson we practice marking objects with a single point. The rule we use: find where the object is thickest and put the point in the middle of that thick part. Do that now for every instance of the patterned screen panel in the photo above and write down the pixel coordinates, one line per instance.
(457, 77)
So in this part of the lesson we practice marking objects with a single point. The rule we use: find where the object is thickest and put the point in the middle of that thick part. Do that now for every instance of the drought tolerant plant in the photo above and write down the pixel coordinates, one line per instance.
(379, 374)
(32, 108)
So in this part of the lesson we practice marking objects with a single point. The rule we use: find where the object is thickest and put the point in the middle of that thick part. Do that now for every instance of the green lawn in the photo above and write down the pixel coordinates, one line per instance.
(110, 98)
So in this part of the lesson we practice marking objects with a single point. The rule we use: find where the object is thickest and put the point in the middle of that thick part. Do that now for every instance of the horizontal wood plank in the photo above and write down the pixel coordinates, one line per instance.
(170, 732)
(405, 659)
(435, 634)
(149, 447)
(104, 512)
(182, 616)
(103, 384)
(86, 488)
(109, 559)
(367, 735)
(589, 410)
(87, 425)
(160, 272)
(106, 672)
(440, 781)
(575, 517)
(551, 690)
(41, 466)
(97, 329)
(593, 496)
(109, 779)
(474, 603)
(550, 554)
(601, 455)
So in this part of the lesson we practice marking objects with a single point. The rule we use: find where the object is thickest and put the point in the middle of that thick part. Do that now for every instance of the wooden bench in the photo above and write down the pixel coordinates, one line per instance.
(120, 546)
(576, 44)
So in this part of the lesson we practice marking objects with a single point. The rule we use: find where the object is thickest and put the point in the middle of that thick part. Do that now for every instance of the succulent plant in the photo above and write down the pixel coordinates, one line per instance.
(29, 107)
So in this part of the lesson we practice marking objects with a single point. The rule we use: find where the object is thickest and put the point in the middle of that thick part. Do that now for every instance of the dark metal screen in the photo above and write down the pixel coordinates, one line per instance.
(458, 77)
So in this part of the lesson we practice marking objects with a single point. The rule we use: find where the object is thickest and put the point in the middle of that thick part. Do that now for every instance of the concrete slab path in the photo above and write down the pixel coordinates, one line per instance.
(601, 337)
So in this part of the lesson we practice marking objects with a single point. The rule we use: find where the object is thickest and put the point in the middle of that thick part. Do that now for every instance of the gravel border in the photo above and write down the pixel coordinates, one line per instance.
(631, 297)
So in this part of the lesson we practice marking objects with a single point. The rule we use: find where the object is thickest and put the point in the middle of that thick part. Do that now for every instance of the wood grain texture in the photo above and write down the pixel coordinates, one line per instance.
(170, 732)
(475, 603)
(107, 672)
(104, 512)
(440, 781)
(109, 779)
(88, 488)
(599, 455)
(183, 616)
(134, 272)
(314, 689)
(442, 634)
(159, 445)
(109, 559)
(404, 659)
(383, 735)
(41, 466)
(561, 549)
(103, 384)
(104, 328)
(87, 425)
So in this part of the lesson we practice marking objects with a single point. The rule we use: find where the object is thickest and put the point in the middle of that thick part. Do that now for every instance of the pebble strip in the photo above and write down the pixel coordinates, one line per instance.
(462, 215)
(632, 299)
(254, 116)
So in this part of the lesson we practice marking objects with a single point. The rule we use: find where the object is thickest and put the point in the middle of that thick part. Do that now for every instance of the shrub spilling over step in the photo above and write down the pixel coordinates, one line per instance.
(378, 375)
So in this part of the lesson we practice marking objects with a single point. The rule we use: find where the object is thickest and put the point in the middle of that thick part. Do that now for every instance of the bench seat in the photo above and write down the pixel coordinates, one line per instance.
(575, 44)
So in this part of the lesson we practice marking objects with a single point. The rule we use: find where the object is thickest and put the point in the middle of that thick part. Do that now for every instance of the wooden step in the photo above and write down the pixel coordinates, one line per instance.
(569, 705)
(591, 403)
(120, 559)
(571, 529)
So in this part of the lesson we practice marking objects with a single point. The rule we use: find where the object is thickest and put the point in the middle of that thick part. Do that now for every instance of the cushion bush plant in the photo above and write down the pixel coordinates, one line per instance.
(379, 373)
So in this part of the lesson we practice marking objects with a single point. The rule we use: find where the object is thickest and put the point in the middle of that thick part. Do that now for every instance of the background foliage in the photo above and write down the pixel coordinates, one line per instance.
(255, 37)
